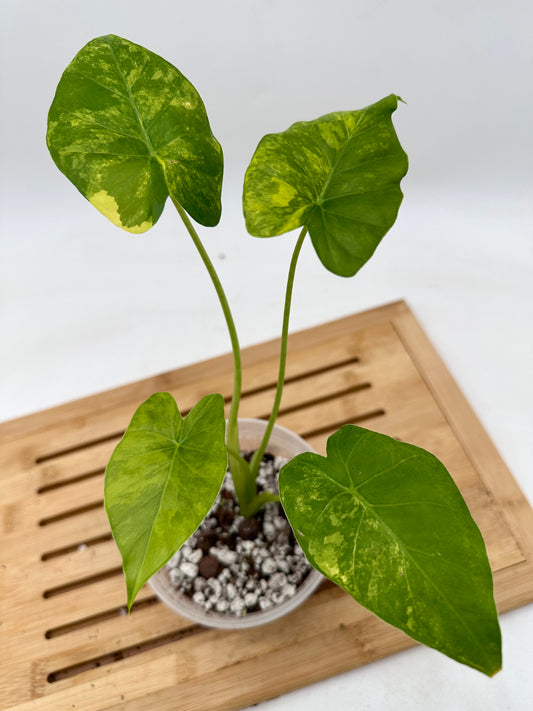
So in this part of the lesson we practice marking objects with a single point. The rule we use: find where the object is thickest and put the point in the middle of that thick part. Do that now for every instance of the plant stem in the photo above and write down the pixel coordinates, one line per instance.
(258, 456)
(244, 482)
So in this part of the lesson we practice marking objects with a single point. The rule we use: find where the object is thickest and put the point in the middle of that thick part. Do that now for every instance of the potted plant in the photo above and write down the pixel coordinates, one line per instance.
(381, 518)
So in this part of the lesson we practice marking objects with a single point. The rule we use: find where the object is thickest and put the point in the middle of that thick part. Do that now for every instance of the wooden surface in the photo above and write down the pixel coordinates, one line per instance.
(66, 641)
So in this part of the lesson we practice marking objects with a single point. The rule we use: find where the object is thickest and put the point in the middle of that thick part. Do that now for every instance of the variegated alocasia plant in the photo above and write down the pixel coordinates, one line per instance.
(381, 518)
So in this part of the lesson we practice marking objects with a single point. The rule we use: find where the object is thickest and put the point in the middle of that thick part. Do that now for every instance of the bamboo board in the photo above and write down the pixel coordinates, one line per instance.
(66, 640)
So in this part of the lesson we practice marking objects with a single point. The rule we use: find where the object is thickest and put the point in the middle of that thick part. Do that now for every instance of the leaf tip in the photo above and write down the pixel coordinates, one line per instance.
(491, 667)
(131, 590)
(496, 671)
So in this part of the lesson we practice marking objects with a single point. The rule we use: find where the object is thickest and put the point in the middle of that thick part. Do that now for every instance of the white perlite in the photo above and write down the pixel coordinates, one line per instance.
(226, 556)
(251, 574)
(190, 570)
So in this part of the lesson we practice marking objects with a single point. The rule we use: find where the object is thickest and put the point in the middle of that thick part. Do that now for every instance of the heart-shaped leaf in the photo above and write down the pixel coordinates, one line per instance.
(385, 521)
(338, 175)
(128, 129)
(161, 481)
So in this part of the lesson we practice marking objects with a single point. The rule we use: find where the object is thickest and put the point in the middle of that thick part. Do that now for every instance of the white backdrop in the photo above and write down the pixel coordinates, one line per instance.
(85, 306)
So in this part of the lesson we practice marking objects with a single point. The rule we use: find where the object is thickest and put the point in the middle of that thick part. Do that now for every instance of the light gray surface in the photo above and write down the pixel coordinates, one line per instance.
(85, 307)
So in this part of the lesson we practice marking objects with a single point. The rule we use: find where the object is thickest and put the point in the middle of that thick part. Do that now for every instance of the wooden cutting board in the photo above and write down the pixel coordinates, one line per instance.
(66, 640)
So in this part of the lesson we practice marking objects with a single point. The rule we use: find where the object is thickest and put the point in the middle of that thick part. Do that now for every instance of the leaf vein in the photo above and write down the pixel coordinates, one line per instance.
(103, 86)
(355, 547)
(355, 446)
(386, 471)
(163, 492)
(109, 153)
(89, 122)
(368, 161)
(351, 219)
(143, 454)
(414, 503)
(131, 99)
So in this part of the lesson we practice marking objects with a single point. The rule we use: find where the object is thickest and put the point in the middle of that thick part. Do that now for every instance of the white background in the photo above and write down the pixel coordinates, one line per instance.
(85, 306)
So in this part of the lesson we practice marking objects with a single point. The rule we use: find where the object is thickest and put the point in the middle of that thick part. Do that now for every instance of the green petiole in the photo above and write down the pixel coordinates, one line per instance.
(240, 470)
(244, 475)
(258, 456)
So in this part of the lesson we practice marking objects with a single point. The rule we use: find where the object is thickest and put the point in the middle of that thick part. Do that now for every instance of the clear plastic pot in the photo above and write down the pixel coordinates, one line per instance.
(283, 443)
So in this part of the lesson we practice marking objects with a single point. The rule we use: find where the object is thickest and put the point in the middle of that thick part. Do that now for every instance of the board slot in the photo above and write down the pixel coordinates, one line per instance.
(77, 447)
(81, 583)
(319, 400)
(125, 653)
(80, 546)
(71, 480)
(347, 421)
(48, 456)
(301, 376)
(72, 512)
(100, 617)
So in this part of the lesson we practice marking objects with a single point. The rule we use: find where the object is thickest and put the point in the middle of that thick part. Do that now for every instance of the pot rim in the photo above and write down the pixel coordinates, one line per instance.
(184, 606)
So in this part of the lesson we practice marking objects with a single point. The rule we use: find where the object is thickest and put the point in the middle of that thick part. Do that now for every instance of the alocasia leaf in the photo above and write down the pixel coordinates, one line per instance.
(338, 175)
(161, 481)
(128, 129)
(385, 521)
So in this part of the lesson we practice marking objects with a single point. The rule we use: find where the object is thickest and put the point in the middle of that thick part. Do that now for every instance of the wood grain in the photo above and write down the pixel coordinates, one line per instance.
(66, 641)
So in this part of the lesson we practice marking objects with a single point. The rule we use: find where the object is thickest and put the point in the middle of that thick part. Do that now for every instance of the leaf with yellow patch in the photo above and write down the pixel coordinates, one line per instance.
(385, 521)
(161, 481)
(128, 129)
(338, 175)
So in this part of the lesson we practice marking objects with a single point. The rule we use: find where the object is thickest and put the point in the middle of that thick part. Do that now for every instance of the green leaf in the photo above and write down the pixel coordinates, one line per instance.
(161, 481)
(338, 175)
(128, 129)
(385, 521)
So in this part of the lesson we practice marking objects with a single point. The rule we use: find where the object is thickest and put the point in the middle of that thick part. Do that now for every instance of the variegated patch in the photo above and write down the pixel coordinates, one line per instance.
(128, 129)
(338, 175)
(385, 521)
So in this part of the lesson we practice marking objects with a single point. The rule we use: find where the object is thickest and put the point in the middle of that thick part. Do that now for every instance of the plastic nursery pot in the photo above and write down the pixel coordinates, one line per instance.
(283, 443)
